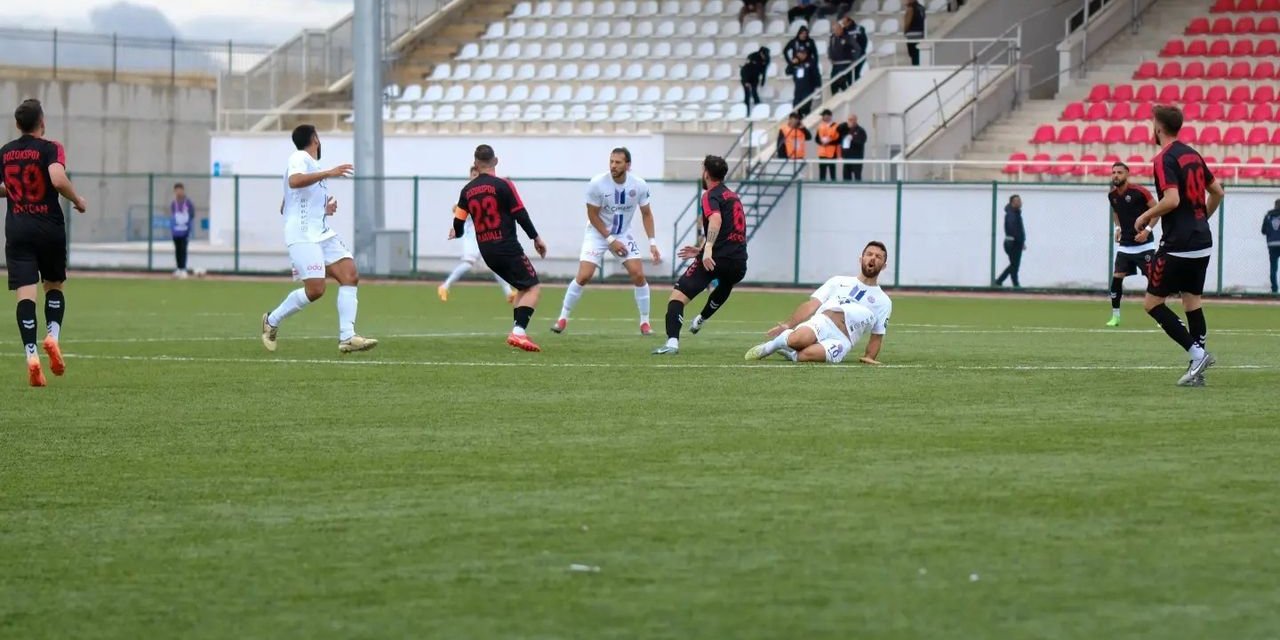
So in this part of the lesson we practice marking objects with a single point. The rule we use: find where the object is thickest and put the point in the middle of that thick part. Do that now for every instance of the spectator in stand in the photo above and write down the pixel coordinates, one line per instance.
(802, 41)
(803, 10)
(840, 50)
(828, 147)
(752, 75)
(853, 146)
(808, 79)
(860, 43)
(833, 8)
(913, 28)
(182, 219)
(751, 6)
(792, 137)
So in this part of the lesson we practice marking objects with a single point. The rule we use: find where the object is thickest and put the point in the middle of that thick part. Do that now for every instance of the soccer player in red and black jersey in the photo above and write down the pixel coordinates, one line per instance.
(35, 249)
(722, 256)
(495, 208)
(1134, 249)
(1189, 196)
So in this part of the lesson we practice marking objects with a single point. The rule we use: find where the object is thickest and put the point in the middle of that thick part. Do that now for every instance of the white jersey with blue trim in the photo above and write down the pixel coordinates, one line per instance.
(618, 202)
(840, 291)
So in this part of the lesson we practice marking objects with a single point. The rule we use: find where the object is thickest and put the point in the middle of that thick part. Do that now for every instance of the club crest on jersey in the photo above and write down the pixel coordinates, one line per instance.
(871, 299)
(632, 193)
(1128, 198)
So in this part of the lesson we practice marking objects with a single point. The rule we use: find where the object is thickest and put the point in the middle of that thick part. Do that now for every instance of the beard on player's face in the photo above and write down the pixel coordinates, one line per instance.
(871, 267)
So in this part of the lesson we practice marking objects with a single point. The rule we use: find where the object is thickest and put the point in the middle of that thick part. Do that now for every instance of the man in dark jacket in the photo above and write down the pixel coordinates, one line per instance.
(840, 50)
(804, 70)
(1271, 229)
(802, 41)
(752, 75)
(853, 146)
(1015, 240)
(860, 44)
(913, 28)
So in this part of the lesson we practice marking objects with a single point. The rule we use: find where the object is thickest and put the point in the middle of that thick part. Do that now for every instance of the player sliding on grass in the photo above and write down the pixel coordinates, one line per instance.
(827, 326)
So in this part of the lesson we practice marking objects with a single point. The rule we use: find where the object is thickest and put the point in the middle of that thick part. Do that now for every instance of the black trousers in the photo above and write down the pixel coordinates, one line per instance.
(1014, 251)
(180, 252)
(913, 50)
(797, 13)
(853, 171)
(750, 93)
(857, 71)
(840, 83)
(827, 170)
(1275, 261)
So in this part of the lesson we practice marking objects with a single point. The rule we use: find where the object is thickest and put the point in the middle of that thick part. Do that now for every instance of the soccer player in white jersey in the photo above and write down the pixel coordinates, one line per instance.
(826, 327)
(470, 254)
(314, 249)
(612, 201)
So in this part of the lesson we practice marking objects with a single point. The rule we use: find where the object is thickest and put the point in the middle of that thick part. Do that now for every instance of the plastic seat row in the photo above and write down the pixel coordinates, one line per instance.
(1242, 48)
(1068, 165)
(451, 114)
(1141, 134)
(1244, 6)
(623, 8)
(529, 51)
(1225, 26)
(573, 93)
(1242, 70)
(677, 72)
(1194, 111)
(1172, 93)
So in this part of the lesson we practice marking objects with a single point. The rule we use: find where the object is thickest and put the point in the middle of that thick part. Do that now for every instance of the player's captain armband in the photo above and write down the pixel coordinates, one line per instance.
(459, 213)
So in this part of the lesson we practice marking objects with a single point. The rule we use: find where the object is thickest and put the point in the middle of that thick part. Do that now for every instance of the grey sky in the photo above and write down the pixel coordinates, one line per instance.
(267, 21)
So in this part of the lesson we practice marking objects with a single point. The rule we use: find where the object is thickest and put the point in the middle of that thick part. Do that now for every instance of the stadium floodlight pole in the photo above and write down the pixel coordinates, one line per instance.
(367, 46)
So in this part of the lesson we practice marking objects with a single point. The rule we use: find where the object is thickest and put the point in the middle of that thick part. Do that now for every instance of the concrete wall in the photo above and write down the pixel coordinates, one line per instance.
(994, 17)
(951, 141)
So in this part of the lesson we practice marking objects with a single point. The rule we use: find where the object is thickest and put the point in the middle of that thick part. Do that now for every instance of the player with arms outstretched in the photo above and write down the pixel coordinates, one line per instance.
(35, 232)
(1134, 249)
(827, 326)
(315, 250)
(612, 200)
(721, 257)
(495, 208)
(1189, 196)
(470, 254)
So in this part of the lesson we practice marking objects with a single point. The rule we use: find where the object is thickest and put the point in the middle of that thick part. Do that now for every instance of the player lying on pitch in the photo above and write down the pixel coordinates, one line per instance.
(827, 326)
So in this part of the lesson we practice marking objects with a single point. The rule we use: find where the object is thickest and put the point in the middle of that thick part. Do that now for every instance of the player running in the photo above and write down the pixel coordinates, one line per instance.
(826, 327)
(314, 249)
(612, 200)
(722, 255)
(1134, 249)
(470, 253)
(35, 248)
(1189, 196)
(494, 206)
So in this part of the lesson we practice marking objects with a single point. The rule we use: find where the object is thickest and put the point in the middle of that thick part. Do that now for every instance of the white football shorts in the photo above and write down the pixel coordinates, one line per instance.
(830, 337)
(594, 248)
(310, 258)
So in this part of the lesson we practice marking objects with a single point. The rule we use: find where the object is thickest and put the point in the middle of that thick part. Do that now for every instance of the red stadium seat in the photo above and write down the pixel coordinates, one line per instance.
(1198, 48)
(1217, 71)
(1198, 27)
(1223, 6)
(1210, 135)
(1242, 49)
(1270, 24)
(1222, 27)
(1147, 71)
(1140, 134)
(1073, 111)
(1264, 94)
(1269, 5)
(1063, 169)
(1262, 113)
(1014, 167)
(1245, 6)
(1217, 93)
(1258, 136)
(1038, 164)
(1187, 134)
(1143, 111)
(1044, 135)
(1226, 172)
(1194, 71)
(1174, 49)
(1104, 169)
(1241, 70)
(1100, 92)
(1238, 113)
(1068, 134)
(1273, 172)
(1139, 166)
(1122, 93)
(1275, 137)
(1264, 71)
(1169, 94)
(1147, 93)
(1084, 167)
(1240, 94)
(1192, 111)
(1233, 136)
(1193, 93)
(1093, 135)
(1171, 71)
(1258, 170)
(1219, 48)
(1115, 134)
(1214, 113)
(1245, 25)
(1266, 48)
(1097, 111)
(1121, 112)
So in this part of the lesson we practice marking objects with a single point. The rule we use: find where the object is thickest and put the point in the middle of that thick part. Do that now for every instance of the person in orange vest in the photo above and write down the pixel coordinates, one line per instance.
(828, 147)
(792, 137)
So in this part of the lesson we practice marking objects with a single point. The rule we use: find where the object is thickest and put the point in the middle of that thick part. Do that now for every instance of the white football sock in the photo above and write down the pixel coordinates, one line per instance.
(777, 344)
(789, 353)
(54, 330)
(518, 330)
(1115, 312)
(674, 343)
(642, 302)
(571, 296)
(506, 288)
(458, 272)
(293, 303)
(347, 305)
(1196, 352)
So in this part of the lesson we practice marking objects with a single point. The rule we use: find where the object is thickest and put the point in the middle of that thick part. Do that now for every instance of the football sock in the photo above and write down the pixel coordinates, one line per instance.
(777, 344)
(571, 296)
(458, 272)
(27, 325)
(347, 305)
(1196, 326)
(522, 317)
(675, 319)
(642, 302)
(789, 353)
(55, 306)
(1172, 325)
(717, 298)
(293, 303)
(1117, 292)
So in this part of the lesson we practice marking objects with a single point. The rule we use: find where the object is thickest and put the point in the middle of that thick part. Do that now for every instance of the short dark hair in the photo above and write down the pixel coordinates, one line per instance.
(302, 135)
(1122, 165)
(626, 153)
(179, 185)
(716, 167)
(793, 114)
(28, 115)
(1014, 197)
(1169, 117)
(879, 245)
(825, 112)
(484, 156)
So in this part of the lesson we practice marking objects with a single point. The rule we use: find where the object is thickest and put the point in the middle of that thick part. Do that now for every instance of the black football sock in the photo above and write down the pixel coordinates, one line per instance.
(27, 325)
(55, 307)
(1117, 292)
(1172, 325)
(718, 297)
(675, 319)
(1197, 327)
(523, 315)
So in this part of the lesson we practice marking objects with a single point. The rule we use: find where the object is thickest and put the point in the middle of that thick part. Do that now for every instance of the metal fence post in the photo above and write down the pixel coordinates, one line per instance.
(55, 53)
(995, 195)
(230, 57)
(115, 53)
(1222, 223)
(235, 181)
(1111, 246)
(897, 239)
(795, 279)
(173, 61)
(414, 268)
(151, 227)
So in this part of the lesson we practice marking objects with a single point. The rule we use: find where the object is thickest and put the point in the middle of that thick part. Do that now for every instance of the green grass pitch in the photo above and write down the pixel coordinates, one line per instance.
(1018, 471)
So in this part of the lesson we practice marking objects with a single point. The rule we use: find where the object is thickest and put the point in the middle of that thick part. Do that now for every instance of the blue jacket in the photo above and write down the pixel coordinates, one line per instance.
(1271, 227)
